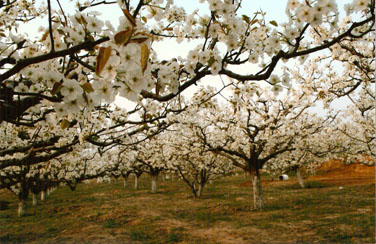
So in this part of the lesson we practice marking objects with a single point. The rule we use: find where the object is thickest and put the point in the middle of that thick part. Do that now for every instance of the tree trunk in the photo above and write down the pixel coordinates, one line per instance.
(125, 182)
(136, 182)
(300, 178)
(21, 207)
(22, 197)
(258, 198)
(43, 195)
(154, 179)
(194, 191)
(35, 199)
(199, 190)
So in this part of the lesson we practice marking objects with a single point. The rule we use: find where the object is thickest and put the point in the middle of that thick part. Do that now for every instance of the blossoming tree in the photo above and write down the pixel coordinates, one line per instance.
(80, 60)
(255, 128)
(56, 88)
(192, 162)
(151, 155)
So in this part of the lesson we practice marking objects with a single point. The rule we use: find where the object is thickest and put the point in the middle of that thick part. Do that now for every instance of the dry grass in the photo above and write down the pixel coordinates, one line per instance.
(108, 213)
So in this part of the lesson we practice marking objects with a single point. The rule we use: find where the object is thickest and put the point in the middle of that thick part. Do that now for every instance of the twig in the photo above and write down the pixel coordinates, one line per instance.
(50, 26)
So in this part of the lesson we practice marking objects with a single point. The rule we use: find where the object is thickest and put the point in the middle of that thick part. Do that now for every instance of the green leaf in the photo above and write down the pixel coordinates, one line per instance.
(273, 22)
(129, 17)
(144, 56)
(246, 19)
(84, 20)
(64, 124)
(123, 37)
(138, 40)
(102, 58)
(61, 32)
(56, 88)
(255, 21)
(87, 87)
(211, 61)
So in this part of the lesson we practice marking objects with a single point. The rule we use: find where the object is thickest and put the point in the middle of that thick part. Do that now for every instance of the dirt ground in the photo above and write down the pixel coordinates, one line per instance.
(338, 173)
(333, 172)
(108, 213)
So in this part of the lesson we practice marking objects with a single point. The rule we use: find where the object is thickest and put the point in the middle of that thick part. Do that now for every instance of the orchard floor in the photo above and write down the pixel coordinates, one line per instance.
(108, 213)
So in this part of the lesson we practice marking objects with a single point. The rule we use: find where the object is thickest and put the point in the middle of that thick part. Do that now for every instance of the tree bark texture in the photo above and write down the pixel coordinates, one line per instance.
(136, 186)
(199, 190)
(125, 182)
(22, 197)
(258, 198)
(154, 179)
(300, 177)
(21, 207)
(35, 199)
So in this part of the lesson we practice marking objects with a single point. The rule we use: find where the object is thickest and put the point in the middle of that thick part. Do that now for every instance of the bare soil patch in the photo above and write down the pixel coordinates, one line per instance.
(108, 213)
(338, 173)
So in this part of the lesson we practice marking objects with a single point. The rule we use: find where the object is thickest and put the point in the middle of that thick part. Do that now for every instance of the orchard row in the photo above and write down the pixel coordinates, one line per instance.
(60, 123)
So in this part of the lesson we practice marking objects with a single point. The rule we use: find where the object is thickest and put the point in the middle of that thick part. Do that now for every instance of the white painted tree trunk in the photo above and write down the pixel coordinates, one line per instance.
(154, 179)
(35, 199)
(125, 182)
(136, 182)
(258, 198)
(21, 208)
(173, 177)
(43, 195)
(300, 177)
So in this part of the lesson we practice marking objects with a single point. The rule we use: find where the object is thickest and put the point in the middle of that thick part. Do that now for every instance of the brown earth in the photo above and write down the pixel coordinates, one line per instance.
(338, 173)
(333, 172)
(108, 213)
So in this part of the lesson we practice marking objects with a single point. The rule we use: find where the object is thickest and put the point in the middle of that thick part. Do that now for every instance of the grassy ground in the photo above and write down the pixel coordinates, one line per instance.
(108, 213)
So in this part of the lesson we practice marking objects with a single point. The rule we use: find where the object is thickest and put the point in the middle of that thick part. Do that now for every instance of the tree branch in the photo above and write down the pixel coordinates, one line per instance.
(33, 60)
